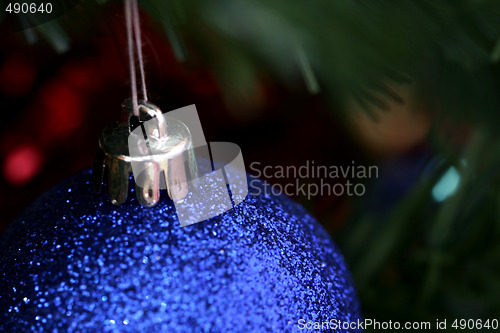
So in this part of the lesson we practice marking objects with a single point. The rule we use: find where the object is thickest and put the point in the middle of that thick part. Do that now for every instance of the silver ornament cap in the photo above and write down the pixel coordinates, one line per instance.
(158, 152)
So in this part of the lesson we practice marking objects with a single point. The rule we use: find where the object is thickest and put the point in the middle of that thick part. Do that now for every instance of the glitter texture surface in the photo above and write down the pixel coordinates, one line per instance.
(76, 263)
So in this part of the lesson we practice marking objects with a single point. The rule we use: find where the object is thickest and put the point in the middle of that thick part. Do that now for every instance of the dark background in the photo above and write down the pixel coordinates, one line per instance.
(413, 257)
(54, 107)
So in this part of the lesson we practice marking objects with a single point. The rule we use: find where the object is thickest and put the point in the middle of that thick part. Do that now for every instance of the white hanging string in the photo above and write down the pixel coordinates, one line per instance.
(138, 40)
(134, 36)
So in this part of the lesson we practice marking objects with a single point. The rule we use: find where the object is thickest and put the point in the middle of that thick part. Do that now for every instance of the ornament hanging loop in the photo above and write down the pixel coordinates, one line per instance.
(153, 111)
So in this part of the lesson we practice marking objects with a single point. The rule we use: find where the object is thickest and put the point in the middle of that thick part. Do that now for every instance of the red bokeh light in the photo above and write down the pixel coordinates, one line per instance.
(17, 75)
(22, 164)
(63, 109)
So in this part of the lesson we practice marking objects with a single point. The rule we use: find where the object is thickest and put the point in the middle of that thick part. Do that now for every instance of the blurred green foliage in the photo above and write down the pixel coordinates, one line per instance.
(430, 261)
(449, 49)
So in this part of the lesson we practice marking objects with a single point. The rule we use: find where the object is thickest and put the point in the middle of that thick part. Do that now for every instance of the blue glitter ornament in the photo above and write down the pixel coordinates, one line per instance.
(73, 262)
